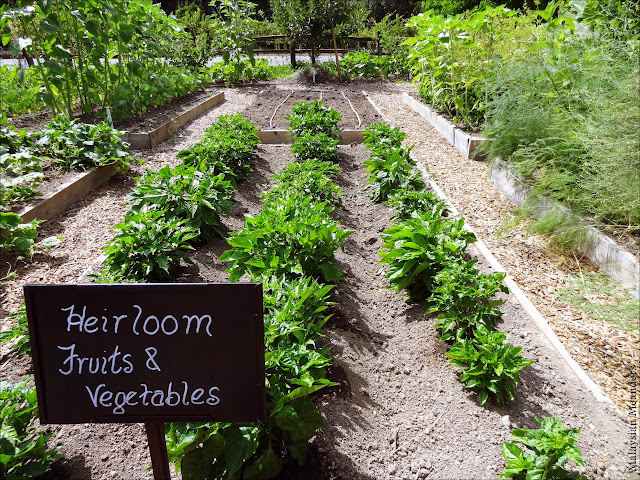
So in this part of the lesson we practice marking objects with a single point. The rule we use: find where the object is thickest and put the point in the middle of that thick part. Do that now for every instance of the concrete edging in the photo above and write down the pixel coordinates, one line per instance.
(148, 140)
(58, 201)
(612, 259)
(463, 142)
(519, 295)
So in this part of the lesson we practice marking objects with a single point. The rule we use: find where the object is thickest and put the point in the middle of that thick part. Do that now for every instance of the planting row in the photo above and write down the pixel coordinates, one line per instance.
(425, 251)
(289, 247)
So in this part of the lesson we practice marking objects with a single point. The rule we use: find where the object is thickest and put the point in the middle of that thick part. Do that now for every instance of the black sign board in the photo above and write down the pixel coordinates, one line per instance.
(148, 352)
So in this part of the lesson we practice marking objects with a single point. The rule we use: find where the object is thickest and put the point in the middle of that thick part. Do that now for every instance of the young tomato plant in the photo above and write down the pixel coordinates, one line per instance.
(488, 364)
(552, 446)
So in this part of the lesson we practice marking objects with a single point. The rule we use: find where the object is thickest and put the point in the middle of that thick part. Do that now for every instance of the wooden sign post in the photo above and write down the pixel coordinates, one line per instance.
(149, 353)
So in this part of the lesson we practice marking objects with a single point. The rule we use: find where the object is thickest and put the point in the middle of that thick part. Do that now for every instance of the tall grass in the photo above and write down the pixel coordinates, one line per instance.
(569, 120)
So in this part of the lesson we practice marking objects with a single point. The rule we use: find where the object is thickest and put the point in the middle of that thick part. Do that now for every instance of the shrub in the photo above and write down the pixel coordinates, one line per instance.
(488, 364)
(313, 118)
(149, 246)
(319, 145)
(189, 193)
(420, 247)
(292, 237)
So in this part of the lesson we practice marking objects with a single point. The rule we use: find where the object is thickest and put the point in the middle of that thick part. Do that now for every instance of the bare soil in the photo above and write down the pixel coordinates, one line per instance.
(53, 179)
(272, 105)
(398, 410)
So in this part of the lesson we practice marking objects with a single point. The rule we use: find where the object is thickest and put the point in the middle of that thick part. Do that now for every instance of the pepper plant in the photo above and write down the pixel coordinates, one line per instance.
(551, 447)
(488, 364)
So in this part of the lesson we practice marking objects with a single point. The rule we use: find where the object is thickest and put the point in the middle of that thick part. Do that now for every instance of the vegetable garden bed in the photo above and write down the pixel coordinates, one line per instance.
(398, 409)
(272, 105)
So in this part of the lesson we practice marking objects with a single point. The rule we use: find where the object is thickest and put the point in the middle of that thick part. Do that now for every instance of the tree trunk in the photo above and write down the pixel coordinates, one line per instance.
(292, 52)
(335, 50)
(313, 53)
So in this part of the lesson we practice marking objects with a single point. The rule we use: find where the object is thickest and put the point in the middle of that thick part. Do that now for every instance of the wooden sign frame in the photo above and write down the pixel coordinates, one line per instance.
(148, 352)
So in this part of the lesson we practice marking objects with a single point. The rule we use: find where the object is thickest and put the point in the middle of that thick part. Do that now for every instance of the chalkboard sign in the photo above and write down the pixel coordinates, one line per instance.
(148, 352)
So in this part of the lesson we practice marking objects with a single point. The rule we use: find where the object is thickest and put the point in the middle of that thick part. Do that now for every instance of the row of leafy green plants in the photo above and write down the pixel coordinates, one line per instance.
(172, 210)
(96, 55)
(63, 143)
(425, 250)
(289, 247)
(555, 92)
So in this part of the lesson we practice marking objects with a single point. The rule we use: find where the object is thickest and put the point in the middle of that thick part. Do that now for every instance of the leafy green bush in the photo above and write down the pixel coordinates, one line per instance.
(313, 118)
(408, 202)
(199, 39)
(362, 64)
(228, 147)
(315, 145)
(17, 189)
(392, 172)
(75, 145)
(15, 235)
(228, 73)
(189, 193)
(420, 247)
(19, 92)
(24, 451)
(149, 246)
(292, 237)
(455, 58)
(552, 446)
(307, 178)
(488, 364)
(19, 332)
(463, 297)
(380, 138)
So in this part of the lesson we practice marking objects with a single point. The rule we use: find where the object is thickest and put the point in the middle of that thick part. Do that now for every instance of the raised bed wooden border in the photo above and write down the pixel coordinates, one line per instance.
(612, 259)
(148, 140)
(70, 192)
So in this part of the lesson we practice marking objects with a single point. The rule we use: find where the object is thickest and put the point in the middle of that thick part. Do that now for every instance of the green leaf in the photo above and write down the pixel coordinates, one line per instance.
(241, 444)
(196, 463)
(265, 467)
(54, 66)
